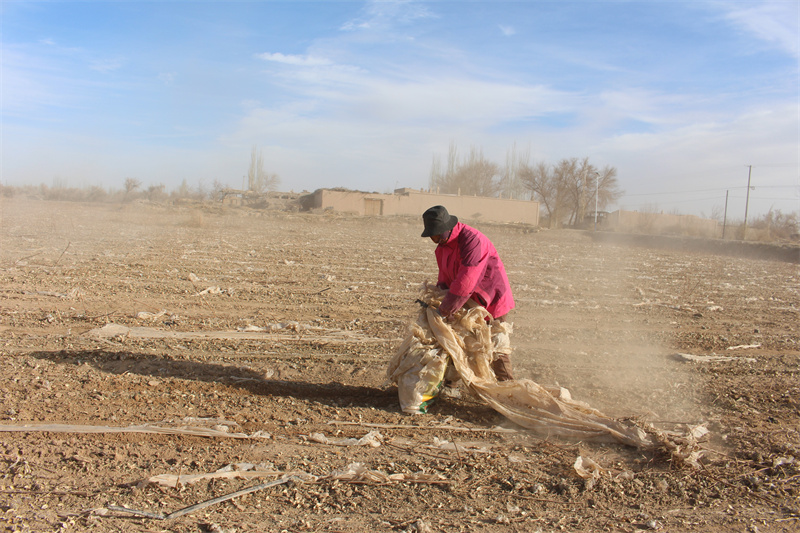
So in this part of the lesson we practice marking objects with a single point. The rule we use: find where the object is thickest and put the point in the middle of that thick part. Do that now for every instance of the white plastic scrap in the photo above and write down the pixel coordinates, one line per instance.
(237, 471)
(441, 444)
(210, 290)
(359, 473)
(373, 439)
(691, 358)
(146, 315)
(588, 469)
(743, 346)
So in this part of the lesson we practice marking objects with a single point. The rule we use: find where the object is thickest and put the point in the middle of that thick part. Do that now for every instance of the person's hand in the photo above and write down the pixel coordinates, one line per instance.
(445, 317)
(447, 307)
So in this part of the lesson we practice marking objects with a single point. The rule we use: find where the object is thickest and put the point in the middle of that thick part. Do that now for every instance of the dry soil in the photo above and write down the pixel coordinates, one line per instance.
(276, 326)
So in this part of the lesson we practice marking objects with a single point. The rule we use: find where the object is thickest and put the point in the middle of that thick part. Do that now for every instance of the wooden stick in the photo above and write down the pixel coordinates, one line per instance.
(203, 505)
(208, 503)
(62, 253)
(27, 257)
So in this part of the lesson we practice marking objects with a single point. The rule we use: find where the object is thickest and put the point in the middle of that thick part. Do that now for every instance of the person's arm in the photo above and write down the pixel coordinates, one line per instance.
(474, 256)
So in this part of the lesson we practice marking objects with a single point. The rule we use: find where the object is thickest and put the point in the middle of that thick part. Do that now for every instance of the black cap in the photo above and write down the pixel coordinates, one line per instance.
(437, 221)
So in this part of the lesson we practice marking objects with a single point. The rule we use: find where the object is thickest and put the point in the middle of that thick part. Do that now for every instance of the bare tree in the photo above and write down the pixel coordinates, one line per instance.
(443, 181)
(156, 193)
(777, 224)
(547, 186)
(258, 180)
(563, 175)
(607, 188)
(218, 190)
(475, 175)
(570, 190)
(511, 185)
(131, 184)
(591, 189)
(182, 192)
(577, 176)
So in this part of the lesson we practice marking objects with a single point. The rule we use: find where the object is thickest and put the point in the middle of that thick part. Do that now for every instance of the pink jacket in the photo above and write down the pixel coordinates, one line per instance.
(470, 268)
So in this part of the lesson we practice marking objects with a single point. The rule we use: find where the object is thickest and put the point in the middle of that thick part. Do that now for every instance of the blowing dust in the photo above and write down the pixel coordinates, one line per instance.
(586, 319)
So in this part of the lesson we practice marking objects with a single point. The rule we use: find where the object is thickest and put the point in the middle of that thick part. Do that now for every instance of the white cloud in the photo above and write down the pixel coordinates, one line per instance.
(381, 15)
(167, 78)
(770, 21)
(508, 31)
(105, 65)
(455, 100)
(712, 154)
(292, 59)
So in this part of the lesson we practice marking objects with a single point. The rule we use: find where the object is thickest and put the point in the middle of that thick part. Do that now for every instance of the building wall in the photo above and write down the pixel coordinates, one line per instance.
(414, 203)
(661, 224)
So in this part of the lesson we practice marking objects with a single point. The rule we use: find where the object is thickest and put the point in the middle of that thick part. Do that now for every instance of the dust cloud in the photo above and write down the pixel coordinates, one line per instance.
(586, 319)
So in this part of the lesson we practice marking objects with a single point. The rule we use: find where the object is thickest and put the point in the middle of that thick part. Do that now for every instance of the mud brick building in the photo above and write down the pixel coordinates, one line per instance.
(414, 202)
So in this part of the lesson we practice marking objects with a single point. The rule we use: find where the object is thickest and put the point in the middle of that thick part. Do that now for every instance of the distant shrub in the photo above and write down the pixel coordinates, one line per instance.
(776, 225)
(97, 194)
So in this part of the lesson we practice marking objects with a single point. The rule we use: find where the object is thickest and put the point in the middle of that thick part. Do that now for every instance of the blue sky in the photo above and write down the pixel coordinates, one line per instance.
(680, 96)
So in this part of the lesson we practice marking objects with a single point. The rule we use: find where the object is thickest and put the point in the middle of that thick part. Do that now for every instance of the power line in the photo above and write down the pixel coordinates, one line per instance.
(678, 192)
(711, 198)
(681, 201)
(717, 189)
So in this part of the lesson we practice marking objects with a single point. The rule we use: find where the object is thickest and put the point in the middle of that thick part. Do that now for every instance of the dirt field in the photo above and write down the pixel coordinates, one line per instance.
(276, 327)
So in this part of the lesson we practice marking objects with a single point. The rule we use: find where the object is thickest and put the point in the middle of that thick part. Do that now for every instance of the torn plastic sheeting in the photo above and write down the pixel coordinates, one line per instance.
(210, 290)
(447, 446)
(352, 473)
(690, 358)
(588, 469)
(418, 370)
(313, 334)
(76, 428)
(470, 447)
(467, 343)
(373, 439)
(147, 315)
(743, 346)
(174, 481)
(359, 473)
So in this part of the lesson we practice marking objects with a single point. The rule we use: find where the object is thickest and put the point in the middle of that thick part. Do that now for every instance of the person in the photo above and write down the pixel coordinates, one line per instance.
(470, 269)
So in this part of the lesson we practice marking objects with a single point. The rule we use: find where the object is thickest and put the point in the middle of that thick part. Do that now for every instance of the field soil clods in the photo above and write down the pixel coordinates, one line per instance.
(271, 330)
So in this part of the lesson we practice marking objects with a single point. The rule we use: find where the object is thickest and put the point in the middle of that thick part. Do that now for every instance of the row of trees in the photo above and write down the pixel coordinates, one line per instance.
(258, 182)
(131, 191)
(568, 191)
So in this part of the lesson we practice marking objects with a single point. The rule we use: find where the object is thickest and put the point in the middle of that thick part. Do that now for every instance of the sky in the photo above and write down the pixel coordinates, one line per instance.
(686, 99)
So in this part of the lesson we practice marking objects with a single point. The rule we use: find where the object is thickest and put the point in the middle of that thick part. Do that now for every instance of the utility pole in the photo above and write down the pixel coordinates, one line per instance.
(747, 202)
(725, 216)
